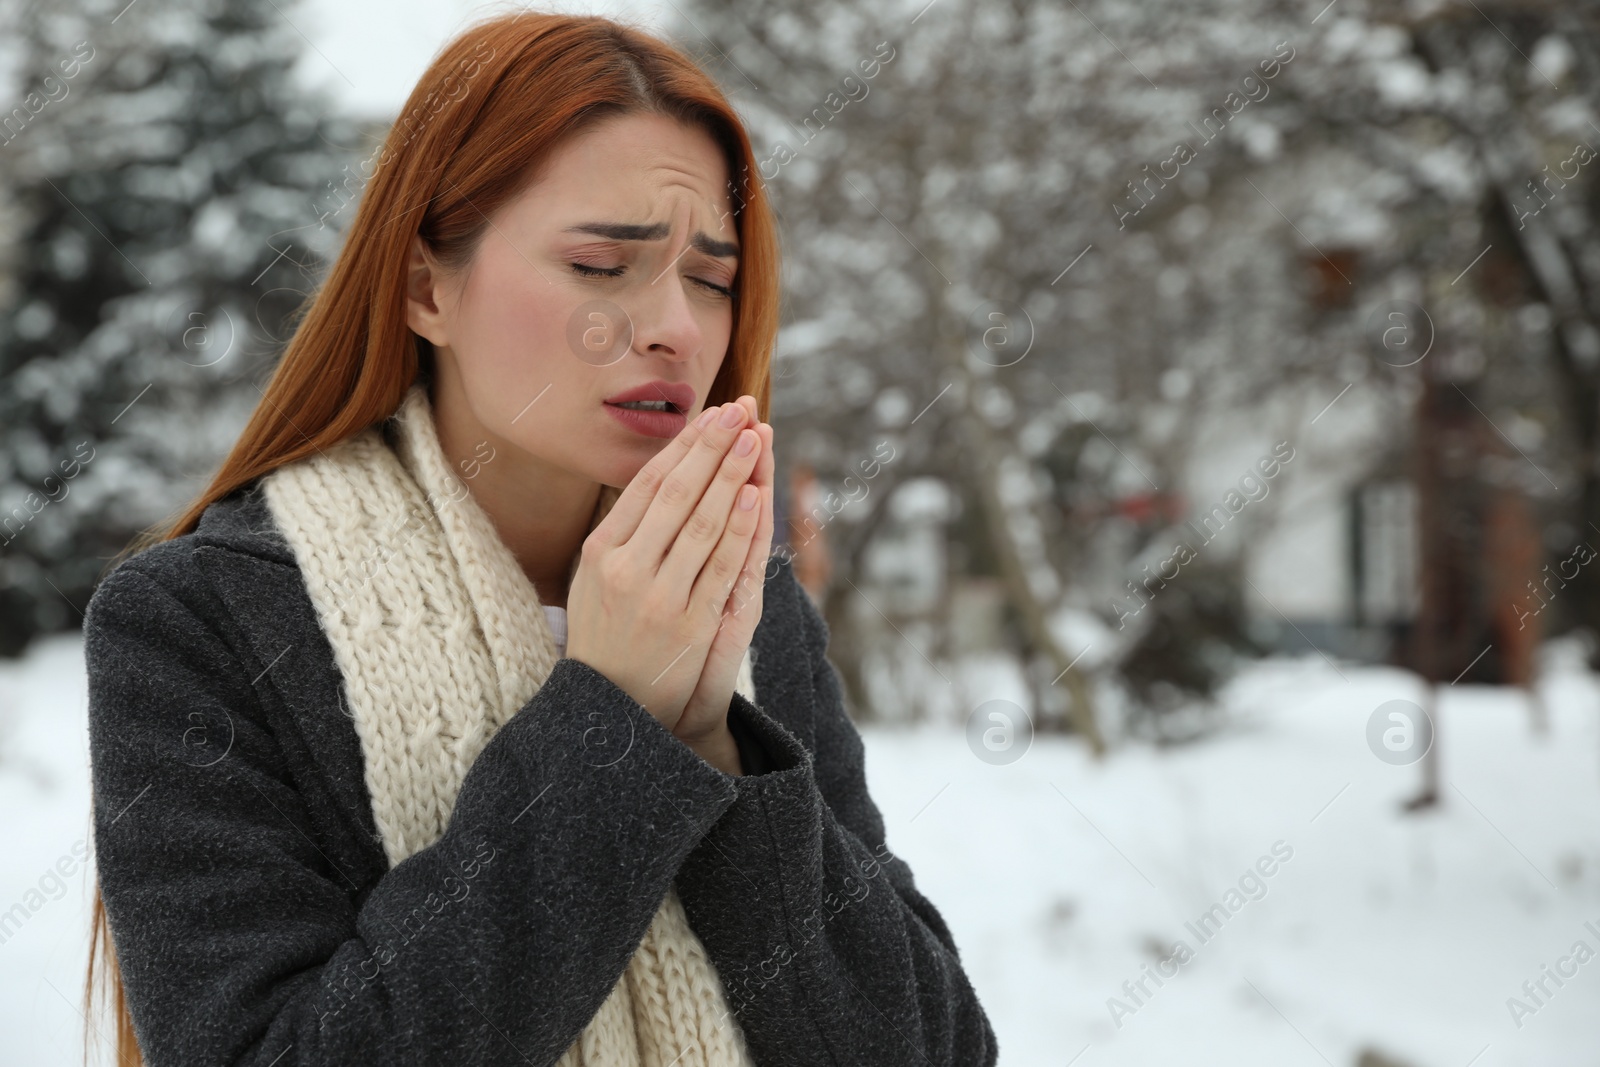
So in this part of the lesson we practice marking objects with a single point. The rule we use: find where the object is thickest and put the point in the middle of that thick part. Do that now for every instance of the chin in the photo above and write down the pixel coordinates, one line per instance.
(619, 454)
(622, 471)
(607, 463)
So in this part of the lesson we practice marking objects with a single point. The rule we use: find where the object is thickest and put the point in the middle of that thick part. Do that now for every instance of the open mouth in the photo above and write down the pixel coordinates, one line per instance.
(648, 405)
(655, 417)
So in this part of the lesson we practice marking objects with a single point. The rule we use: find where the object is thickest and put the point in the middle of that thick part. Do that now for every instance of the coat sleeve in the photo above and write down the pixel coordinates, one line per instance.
(828, 952)
(240, 937)
(753, 757)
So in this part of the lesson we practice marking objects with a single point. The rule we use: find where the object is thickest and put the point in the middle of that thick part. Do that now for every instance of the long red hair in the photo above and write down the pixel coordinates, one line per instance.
(488, 111)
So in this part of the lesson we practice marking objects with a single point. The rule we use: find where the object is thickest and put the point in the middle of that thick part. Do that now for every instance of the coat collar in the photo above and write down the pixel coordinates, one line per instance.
(241, 522)
(252, 569)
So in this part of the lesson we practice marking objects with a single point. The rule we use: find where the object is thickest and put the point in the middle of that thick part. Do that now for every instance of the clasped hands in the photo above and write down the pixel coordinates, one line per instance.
(668, 588)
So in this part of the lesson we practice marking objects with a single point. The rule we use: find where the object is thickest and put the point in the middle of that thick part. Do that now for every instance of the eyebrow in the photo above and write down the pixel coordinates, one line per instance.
(627, 231)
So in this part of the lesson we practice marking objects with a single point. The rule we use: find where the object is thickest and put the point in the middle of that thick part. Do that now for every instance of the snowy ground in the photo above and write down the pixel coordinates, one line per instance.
(1063, 879)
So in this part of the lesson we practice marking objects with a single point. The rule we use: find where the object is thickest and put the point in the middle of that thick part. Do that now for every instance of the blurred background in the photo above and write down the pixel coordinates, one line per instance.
(1188, 420)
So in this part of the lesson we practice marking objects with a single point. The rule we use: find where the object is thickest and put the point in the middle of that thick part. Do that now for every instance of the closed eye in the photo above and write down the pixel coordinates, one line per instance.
(598, 272)
(616, 272)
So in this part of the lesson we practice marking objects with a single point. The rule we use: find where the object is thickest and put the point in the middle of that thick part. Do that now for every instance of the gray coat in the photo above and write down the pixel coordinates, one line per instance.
(257, 920)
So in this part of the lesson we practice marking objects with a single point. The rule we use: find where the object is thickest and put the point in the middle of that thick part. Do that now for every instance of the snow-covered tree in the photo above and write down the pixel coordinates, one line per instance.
(1188, 215)
(170, 196)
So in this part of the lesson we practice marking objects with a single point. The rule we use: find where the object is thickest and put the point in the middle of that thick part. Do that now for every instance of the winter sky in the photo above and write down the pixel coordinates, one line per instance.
(370, 55)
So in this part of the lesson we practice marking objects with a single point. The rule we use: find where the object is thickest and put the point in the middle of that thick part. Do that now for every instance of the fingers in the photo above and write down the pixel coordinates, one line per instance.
(700, 532)
(749, 403)
(749, 584)
(752, 581)
(629, 507)
(764, 478)
(665, 518)
(764, 468)
(633, 503)
(741, 612)
(764, 427)
(675, 511)
(728, 560)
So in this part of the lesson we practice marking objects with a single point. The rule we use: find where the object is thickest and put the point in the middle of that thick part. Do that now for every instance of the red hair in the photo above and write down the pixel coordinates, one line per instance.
(489, 110)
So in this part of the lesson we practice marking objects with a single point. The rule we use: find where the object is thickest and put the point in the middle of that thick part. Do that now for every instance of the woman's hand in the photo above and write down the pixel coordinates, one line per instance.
(653, 577)
(704, 725)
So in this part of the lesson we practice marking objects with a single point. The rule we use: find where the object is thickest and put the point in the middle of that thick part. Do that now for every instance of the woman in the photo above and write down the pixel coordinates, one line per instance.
(416, 738)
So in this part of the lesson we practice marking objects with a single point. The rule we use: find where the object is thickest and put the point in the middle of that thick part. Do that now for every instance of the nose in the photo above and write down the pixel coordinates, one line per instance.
(663, 322)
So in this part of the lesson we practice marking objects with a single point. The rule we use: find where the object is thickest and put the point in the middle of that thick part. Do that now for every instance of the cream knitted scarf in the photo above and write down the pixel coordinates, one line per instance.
(441, 638)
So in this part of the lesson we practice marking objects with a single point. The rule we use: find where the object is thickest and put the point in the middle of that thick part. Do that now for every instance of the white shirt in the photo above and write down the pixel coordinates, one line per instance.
(558, 626)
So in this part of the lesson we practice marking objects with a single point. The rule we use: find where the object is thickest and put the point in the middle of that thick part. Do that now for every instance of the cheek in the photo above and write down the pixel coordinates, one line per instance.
(716, 328)
(512, 332)
(721, 329)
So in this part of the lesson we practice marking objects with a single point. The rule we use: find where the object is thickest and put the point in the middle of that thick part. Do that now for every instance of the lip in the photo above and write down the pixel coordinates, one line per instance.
(667, 423)
(649, 423)
(679, 394)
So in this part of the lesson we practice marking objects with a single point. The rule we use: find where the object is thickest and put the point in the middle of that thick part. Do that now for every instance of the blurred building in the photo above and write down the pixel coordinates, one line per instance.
(1344, 574)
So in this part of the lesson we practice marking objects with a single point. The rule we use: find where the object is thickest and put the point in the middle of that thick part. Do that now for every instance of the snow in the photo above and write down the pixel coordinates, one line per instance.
(1406, 934)
(1062, 878)
(44, 789)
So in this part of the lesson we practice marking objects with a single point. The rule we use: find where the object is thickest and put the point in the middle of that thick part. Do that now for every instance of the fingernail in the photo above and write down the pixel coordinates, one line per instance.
(705, 418)
(746, 443)
(747, 498)
(732, 415)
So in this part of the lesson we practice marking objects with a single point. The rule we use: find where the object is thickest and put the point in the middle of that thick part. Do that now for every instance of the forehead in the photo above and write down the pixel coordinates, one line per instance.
(638, 168)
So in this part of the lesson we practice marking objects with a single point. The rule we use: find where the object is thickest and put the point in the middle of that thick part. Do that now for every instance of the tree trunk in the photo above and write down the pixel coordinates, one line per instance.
(984, 477)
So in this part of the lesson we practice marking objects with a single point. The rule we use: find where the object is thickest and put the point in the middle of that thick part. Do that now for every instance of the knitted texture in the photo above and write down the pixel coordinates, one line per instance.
(441, 639)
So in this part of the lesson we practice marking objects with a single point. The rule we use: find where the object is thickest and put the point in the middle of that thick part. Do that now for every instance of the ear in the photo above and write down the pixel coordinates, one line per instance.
(424, 292)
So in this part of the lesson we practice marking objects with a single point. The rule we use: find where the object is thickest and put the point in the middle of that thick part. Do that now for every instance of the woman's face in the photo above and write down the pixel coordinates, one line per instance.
(606, 277)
